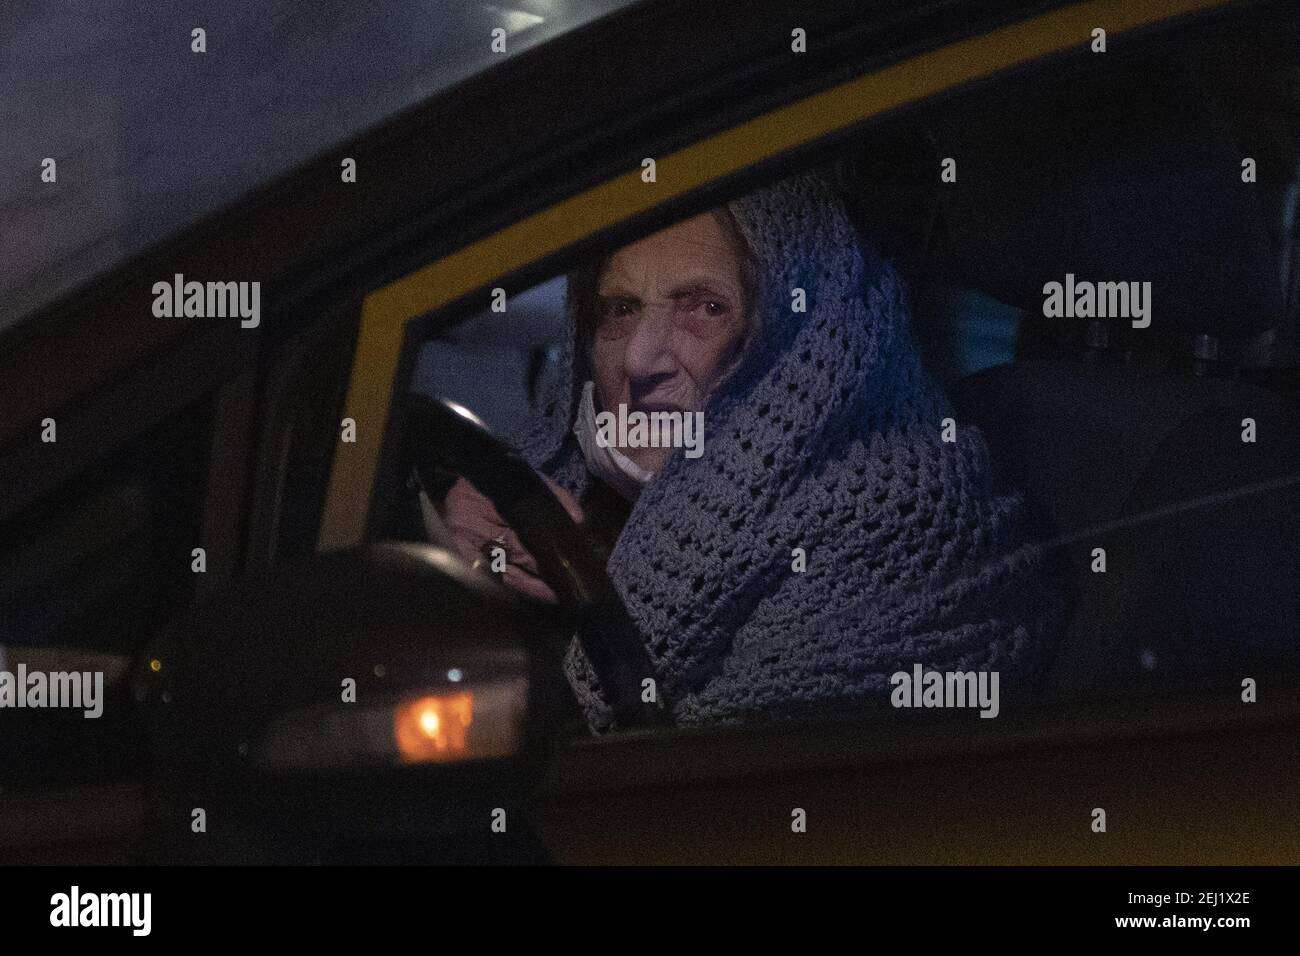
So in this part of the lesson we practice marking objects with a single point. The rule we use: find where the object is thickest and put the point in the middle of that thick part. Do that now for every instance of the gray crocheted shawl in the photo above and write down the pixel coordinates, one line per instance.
(827, 438)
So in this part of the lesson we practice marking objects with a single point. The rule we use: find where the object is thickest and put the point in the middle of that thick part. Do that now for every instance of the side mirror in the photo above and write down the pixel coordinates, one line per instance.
(381, 704)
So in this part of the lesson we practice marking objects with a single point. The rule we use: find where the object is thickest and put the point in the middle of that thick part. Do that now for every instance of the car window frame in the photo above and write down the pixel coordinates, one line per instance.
(445, 292)
(692, 177)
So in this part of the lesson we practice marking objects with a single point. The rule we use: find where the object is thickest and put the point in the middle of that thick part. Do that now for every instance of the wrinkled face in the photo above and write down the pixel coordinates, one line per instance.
(670, 318)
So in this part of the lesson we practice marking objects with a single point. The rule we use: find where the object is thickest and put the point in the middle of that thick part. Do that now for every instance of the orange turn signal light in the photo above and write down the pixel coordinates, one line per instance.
(433, 728)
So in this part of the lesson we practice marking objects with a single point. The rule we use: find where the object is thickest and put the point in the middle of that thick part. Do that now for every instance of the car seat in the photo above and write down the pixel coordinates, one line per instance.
(1124, 439)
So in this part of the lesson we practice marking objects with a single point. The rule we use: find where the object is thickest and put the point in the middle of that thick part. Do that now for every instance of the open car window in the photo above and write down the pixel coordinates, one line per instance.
(1098, 290)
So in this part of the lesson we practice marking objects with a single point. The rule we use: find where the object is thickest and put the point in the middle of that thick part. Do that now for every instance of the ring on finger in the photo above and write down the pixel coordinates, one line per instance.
(486, 550)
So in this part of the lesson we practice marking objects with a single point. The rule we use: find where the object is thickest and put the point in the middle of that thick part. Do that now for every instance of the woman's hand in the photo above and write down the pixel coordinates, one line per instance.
(476, 529)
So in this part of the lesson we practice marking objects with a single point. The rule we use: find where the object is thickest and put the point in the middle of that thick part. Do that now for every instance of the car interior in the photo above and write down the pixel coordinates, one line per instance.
(1129, 440)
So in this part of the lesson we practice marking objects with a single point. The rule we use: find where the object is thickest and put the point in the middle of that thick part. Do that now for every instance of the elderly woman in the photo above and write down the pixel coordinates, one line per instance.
(834, 531)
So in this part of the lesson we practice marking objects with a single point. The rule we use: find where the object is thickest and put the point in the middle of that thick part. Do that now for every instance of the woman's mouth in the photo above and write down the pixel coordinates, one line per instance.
(651, 407)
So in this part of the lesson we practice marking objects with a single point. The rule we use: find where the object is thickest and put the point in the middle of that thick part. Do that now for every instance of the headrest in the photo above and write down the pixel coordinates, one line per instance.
(1114, 172)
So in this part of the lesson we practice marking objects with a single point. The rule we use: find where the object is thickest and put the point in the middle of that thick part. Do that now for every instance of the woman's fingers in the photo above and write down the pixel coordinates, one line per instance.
(529, 584)
(471, 518)
(464, 503)
(477, 530)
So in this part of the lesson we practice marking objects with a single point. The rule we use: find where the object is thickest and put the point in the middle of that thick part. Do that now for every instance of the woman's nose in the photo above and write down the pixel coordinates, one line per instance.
(649, 349)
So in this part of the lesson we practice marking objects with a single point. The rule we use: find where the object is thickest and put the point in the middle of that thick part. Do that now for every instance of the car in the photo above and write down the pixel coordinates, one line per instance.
(215, 510)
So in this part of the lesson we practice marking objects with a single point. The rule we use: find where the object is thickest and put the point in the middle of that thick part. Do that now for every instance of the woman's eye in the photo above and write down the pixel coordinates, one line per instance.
(615, 318)
(712, 308)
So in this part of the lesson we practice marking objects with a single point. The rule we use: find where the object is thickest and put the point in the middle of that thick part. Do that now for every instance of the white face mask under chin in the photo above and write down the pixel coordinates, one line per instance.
(608, 464)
